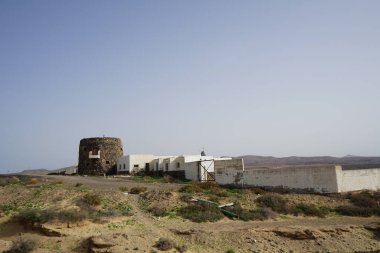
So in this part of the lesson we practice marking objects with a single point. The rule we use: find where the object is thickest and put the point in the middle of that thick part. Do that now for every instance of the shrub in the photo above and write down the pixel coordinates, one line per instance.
(78, 184)
(246, 215)
(186, 197)
(158, 211)
(230, 251)
(201, 212)
(181, 248)
(31, 216)
(363, 200)
(190, 188)
(355, 211)
(137, 190)
(92, 199)
(268, 213)
(164, 244)
(21, 246)
(124, 208)
(7, 208)
(310, 210)
(123, 188)
(71, 216)
(274, 201)
(258, 191)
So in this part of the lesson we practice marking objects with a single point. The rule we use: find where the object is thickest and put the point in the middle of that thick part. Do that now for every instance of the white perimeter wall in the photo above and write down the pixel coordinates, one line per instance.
(319, 179)
(324, 179)
(353, 180)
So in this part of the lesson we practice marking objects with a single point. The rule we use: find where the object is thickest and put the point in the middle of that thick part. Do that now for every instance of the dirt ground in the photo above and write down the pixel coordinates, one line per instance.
(140, 231)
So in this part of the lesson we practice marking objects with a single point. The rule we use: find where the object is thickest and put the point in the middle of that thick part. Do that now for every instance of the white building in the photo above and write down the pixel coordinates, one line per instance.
(192, 167)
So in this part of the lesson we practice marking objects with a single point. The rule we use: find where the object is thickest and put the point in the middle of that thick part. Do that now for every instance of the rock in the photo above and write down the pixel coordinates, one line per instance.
(105, 243)
(296, 235)
(47, 231)
(100, 242)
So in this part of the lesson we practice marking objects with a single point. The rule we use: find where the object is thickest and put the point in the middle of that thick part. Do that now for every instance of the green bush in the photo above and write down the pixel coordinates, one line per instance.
(92, 199)
(137, 190)
(30, 216)
(164, 244)
(246, 215)
(209, 188)
(230, 251)
(258, 191)
(310, 210)
(357, 211)
(124, 208)
(190, 188)
(274, 201)
(7, 208)
(363, 200)
(78, 184)
(158, 211)
(181, 248)
(21, 246)
(186, 197)
(71, 216)
(201, 212)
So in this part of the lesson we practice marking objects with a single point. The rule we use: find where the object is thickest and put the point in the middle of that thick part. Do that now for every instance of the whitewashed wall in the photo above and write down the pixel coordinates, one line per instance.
(353, 180)
(131, 160)
(324, 179)
(317, 178)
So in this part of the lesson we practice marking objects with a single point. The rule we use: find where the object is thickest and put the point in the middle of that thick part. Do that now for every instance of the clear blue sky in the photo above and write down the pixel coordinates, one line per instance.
(170, 77)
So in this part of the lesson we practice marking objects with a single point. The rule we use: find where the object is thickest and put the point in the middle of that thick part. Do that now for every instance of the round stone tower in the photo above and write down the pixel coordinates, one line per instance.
(98, 156)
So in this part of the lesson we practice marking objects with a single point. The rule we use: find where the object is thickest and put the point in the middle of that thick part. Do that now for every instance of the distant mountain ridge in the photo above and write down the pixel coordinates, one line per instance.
(68, 170)
(253, 160)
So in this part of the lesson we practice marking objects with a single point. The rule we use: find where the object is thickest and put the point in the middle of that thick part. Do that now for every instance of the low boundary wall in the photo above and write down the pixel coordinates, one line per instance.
(316, 178)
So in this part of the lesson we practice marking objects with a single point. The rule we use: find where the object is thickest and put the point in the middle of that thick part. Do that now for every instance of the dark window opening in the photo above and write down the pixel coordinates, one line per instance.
(124, 166)
(166, 166)
(95, 151)
(135, 166)
(107, 162)
(178, 165)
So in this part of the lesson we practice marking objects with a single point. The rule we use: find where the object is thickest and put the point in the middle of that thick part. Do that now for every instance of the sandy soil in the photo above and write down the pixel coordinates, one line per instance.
(140, 231)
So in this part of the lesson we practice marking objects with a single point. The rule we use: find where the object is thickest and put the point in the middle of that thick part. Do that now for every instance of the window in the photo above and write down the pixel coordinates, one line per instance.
(119, 166)
(123, 166)
(156, 166)
(166, 166)
(95, 151)
(178, 165)
(135, 166)
(107, 162)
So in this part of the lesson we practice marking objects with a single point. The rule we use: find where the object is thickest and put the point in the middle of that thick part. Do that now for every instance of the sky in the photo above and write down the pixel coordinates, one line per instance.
(278, 78)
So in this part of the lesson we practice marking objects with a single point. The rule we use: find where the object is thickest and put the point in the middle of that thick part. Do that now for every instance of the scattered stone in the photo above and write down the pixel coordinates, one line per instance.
(185, 232)
(296, 235)
(100, 241)
(47, 231)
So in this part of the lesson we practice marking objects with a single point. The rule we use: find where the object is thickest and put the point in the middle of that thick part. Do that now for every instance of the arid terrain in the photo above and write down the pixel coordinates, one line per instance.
(144, 214)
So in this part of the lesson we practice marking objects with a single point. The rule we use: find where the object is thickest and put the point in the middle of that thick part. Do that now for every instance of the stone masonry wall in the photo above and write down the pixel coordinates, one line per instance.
(109, 151)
